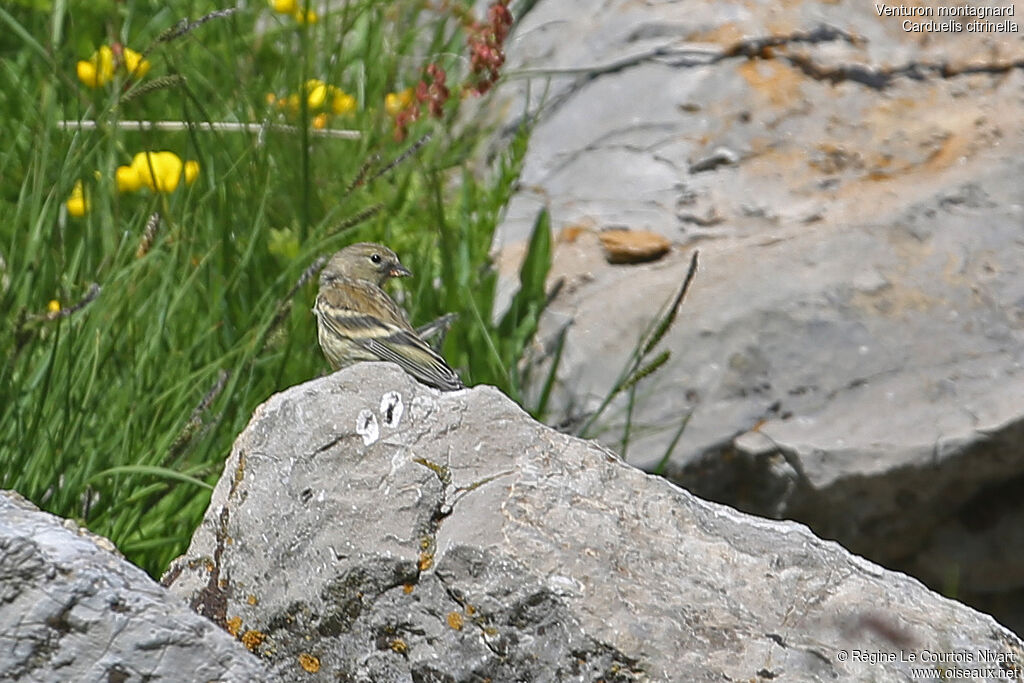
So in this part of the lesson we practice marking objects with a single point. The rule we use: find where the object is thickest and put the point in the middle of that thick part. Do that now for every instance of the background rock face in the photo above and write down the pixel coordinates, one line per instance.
(368, 528)
(73, 610)
(852, 347)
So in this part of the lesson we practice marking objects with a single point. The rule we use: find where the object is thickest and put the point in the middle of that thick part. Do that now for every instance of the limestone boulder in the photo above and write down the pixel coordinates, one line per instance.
(368, 528)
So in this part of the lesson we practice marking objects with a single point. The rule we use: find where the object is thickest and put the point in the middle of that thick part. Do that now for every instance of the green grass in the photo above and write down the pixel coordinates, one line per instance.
(121, 413)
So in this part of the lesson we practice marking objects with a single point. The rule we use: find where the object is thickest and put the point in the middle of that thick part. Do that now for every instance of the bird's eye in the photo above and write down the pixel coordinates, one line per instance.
(375, 258)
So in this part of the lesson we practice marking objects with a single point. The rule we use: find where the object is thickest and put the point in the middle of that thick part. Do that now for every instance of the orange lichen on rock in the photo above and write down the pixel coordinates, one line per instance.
(780, 84)
(234, 625)
(426, 561)
(309, 662)
(724, 34)
(253, 639)
(455, 620)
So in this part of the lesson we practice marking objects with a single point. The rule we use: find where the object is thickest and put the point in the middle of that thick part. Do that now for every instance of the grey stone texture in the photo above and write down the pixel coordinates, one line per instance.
(851, 350)
(72, 609)
(368, 528)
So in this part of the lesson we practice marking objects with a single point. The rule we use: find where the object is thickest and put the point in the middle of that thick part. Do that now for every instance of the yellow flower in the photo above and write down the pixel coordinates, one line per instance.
(343, 103)
(320, 121)
(160, 171)
(317, 93)
(127, 179)
(283, 6)
(395, 102)
(270, 98)
(191, 172)
(53, 306)
(309, 17)
(77, 204)
(98, 69)
(135, 63)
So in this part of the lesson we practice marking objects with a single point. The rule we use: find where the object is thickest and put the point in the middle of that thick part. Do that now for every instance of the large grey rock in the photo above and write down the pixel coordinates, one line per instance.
(852, 348)
(71, 609)
(368, 528)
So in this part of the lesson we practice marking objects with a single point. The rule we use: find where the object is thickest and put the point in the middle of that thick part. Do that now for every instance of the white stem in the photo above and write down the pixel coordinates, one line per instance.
(224, 126)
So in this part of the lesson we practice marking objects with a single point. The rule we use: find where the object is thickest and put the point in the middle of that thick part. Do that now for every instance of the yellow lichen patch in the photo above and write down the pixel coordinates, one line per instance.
(253, 639)
(455, 620)
(399, 646)
(252, 600)
(234, 625)
(407, 588)
(309, 662)
(426, 561)
(239, 474)
(209, 566)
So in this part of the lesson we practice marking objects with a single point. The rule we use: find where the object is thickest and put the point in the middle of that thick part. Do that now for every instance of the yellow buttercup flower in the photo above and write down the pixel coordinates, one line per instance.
(319, 96)
(159, 171)
(343, 103)
(395, 102)
(283, 6)
(317, 93)
(191, 172)
(77, 204)
(309, 17)
(53, 306)
(320, 121)
(127, 179)
(97, 71)
(135, 63)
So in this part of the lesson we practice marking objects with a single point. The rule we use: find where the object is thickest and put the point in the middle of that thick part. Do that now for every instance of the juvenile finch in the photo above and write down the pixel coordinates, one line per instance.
(358, 321)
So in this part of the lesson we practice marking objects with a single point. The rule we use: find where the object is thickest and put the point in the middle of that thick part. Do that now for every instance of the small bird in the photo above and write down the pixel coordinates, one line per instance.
(358, 321)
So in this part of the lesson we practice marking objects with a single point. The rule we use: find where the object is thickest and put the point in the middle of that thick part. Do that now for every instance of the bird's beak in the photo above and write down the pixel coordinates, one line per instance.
(398, 270)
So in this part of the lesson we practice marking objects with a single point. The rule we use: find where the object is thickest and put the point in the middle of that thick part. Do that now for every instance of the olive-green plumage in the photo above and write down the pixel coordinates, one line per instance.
(358, 321)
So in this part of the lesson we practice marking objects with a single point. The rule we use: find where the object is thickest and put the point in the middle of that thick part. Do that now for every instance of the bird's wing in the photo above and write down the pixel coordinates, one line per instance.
(415, 357)
(366, 315)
